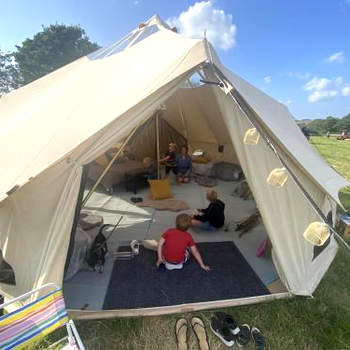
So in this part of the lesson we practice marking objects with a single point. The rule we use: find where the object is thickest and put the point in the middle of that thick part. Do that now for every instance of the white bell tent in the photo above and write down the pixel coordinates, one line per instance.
(52, 127)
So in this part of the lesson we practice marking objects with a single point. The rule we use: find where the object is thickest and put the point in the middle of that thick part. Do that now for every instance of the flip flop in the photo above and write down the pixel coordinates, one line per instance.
(181, 333)
(200, 332)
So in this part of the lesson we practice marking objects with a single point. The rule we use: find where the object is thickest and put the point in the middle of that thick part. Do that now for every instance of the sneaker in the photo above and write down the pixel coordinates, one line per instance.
(243, 337)
(258, 338)
(222, 332)
(228, 321)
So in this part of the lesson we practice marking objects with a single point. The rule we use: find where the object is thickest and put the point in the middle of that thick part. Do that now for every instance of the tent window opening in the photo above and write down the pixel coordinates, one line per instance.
(145, 33)
(7, 274)
(128, 41)
(194, 81)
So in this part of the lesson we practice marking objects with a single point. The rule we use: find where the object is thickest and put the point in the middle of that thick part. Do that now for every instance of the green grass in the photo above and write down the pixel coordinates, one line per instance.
(299, 323)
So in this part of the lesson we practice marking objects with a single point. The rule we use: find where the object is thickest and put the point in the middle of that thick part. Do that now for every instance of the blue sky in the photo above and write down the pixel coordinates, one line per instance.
(296, 51)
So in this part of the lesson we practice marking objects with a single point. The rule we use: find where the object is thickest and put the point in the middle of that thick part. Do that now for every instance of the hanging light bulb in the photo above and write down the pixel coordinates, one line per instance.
(317, 233)
(251, 137)
(277, 177)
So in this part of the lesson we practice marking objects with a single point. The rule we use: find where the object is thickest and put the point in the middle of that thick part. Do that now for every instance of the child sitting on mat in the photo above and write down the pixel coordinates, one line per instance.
(213, 217)
(176, 244)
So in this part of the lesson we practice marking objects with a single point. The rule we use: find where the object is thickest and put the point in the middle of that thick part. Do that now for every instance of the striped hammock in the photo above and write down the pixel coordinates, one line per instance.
(33, 321)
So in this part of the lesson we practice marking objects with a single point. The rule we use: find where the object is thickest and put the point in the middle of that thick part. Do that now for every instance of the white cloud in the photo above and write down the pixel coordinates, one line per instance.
(203, 16)
(268, 79)
(346, 90)
(323, 89)
(317, 84)
(336, 57)
(323, 95)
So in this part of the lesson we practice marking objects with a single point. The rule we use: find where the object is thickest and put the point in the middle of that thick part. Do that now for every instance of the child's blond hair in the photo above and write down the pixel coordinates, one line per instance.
(212, 195)
(183, 222)
(173, 146)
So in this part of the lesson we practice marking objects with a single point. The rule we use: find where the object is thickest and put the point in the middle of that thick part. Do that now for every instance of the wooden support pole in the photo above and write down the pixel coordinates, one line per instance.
(157, 138)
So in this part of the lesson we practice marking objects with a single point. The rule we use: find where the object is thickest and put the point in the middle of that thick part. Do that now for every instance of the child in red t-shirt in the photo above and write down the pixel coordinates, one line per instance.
(176, 244)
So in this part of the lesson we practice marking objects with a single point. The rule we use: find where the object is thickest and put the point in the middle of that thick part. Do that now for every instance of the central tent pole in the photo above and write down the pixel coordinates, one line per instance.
(157, 140)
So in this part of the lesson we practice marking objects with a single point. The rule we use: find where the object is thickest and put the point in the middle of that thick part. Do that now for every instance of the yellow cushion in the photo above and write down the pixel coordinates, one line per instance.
(160, 189)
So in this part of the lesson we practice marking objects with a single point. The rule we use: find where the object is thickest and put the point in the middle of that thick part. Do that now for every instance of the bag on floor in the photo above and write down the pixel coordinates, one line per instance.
(227, 171)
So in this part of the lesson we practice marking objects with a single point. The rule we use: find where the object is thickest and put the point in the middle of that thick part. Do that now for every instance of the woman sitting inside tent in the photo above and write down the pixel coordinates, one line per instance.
(213, 217)
(170, 159)
(184, 166)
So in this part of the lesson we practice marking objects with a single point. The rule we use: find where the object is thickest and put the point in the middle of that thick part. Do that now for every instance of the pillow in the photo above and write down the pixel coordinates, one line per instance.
(160, 189)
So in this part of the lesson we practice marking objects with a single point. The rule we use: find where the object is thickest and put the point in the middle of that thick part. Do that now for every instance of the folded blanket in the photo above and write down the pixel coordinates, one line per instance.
(165, 204)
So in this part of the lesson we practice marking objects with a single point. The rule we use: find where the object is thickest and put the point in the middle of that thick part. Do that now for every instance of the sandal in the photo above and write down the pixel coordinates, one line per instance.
(200, 332)
(181, 333)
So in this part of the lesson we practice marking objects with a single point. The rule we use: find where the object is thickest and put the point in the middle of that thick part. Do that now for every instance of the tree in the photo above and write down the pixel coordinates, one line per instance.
(343, 124)
(50, 49)
(330, 124)
(318, 126)
(10, 77)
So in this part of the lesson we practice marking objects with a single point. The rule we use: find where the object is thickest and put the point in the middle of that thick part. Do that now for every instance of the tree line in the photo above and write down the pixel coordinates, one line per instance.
(51, 48)
(330, 124)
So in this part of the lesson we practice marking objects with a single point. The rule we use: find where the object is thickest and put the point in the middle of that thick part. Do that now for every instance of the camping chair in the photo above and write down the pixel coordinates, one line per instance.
(37, 319)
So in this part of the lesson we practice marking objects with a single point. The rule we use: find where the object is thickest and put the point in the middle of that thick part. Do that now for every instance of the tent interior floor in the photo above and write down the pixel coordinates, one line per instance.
(87, 289)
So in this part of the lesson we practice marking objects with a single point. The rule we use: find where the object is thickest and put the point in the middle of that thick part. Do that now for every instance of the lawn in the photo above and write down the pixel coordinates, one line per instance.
(336, 153)
(298, 323)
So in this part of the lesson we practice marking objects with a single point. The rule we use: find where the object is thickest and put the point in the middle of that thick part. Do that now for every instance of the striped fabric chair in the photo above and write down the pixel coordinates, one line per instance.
(37, 319)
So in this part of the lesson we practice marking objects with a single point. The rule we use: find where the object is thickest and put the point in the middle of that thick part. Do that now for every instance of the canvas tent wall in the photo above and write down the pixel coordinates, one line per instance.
(144, 141)
(69, 117)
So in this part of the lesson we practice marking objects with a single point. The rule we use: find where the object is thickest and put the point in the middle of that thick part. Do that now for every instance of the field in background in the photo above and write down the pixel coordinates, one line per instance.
(336, 153)
(299, 323)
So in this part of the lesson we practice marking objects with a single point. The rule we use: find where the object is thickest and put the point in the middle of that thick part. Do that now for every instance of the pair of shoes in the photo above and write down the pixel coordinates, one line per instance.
(198, 327)
(225, 328)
